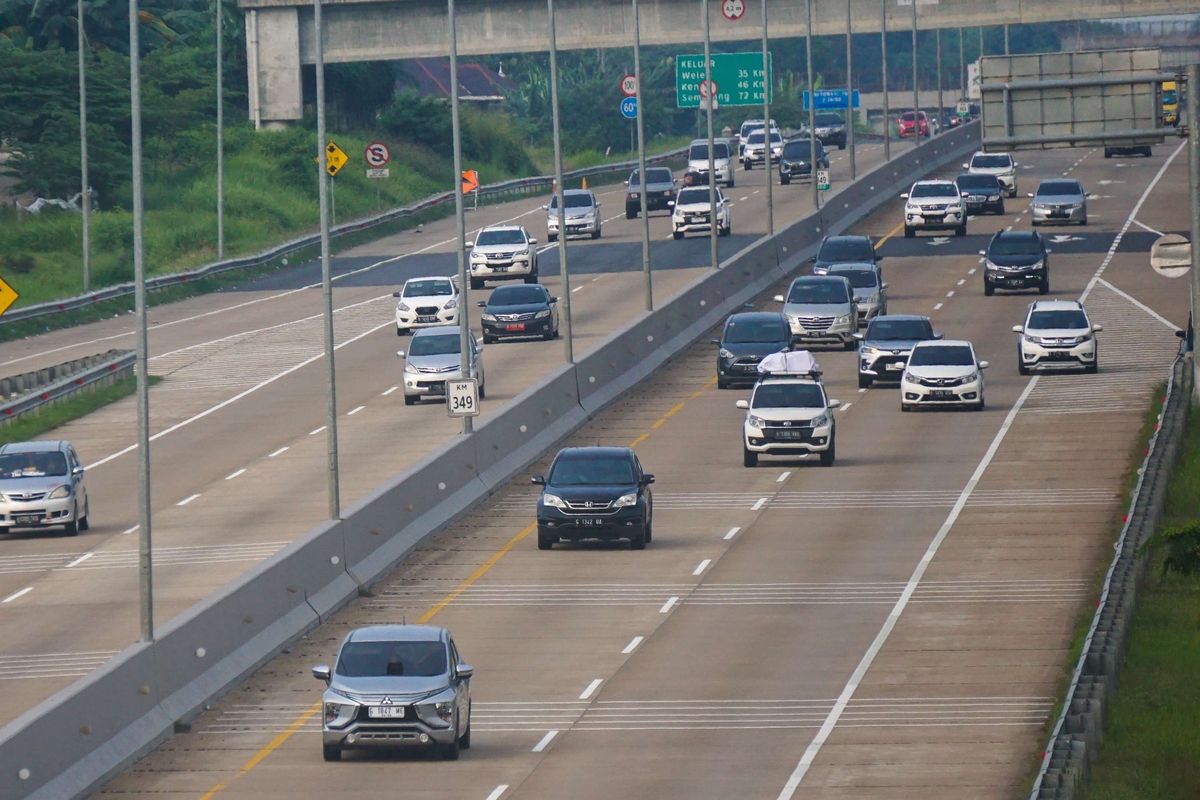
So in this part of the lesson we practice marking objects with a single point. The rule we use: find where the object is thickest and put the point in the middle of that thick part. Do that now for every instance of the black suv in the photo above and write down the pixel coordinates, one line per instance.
(595, 493)
(1016, 260)
(831, 129)
(794, 161)
(983, 193)
(847, 249)
(747, 337)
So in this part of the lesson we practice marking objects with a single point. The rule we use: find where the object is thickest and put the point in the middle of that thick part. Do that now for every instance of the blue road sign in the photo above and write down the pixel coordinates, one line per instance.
(832, 99)
(629, 107)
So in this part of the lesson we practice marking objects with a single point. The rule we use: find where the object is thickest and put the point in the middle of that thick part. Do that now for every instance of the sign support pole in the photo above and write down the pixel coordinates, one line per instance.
(812, 106)
(466, 367)
(1193, 147)
(849, 90)
(324, 192)
(220, 134)
(767, 119)
(962, 65)
(641, 148)
(938, 52)
(916, 96)
(887, 122)
(568, 344)
(145, 543)
(85, 196)
(712, 168)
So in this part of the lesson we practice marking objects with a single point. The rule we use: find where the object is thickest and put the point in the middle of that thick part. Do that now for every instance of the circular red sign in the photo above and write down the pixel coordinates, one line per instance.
(733, 10)
(704, 88)
(629, 85)
(377, 155)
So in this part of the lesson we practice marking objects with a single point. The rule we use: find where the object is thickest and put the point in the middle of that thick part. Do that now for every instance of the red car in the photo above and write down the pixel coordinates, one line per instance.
(905, 124)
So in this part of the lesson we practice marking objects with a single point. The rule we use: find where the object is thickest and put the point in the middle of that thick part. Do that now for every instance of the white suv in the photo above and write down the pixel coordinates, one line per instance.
(722, 160)
(503, 252)
(1057, 333)
(934, 205)
(426, 303)
(999, 164)
(942, 373)
(692, 212)
(788, 416)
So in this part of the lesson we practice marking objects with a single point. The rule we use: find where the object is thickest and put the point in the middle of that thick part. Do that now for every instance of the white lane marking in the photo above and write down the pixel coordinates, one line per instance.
(862, 391)
(961, 281)
(783, 476)
(545, 741)
(591, 689)
(231, 400)
(389, 391)
(758, 504)
(280, 451)
(756, 191)
(633, 644)
(499, 790)
(845, 407)
(17, 595)
(1146, 227)
(950, 293)
(79, 560)
(1141, 305)
(235, 474)
(315, 431)
(576, 289)
(131, 530)
(937, 306)
(354, 411)
(187, 500)
(743, 199)
(702, 566)
(598, 277)
(732, 533)
(971, 271)
(839, 706)
(667, 606)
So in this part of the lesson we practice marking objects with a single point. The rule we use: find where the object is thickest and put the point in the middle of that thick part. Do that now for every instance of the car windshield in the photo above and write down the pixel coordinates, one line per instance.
(788, 395)
(1040, 320)
(392, 659)
(818, 292)
(991, 162)
(907, 116)
(859, 278)
(757, 137)
(512, 236)
(747, 127)
(934, 190)
(33, 465)
(699, 152)
(517, 296)
(1014, 246)
(574, 201)
(978, 182)
(828, 119)
(900, 329)
(438, 288)
(953, 355)
(591, 471)
(437, 345)
(695, 195)
(758, 331)
(798, 148)
(1059, 188)
(833, 250)
(655, 175)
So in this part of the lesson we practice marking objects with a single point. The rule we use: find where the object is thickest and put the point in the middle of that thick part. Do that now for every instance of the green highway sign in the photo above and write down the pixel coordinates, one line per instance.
(738, 78)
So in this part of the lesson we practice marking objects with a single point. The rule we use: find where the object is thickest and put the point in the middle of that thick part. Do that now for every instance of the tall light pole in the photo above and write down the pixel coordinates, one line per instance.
(332, 488)
(465, 362)
(850, 89)
(220, 133)
(712, 167)
(938, 58)
(568, 344)
(1193, 146)
(145, 561)
(767, 86)
(962, 66)
(916, 97)
(85, 196)
(641, 146)
(883, 71)
(812, 106)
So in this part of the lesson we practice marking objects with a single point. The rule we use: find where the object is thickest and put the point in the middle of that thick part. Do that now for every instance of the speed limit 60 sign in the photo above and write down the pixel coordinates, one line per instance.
(462, 398)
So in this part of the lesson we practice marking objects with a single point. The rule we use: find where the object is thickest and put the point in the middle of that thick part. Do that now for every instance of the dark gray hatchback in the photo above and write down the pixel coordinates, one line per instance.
(746, 338)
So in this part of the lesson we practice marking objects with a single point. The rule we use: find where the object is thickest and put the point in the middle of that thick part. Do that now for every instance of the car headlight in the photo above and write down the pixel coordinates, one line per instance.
(438, 714)
(755, 422)
(553, 500)
(411, 370)
(60, 492)
(1033, 339)
(402, 307)
(725, 354)
(626, 500)
(633, 196)
(912, 209)
(339, 713)
(993, 197)
(486, 317)
(1037, 264)
(842, 320)
(450, 305)
(867, 351)
(974, 376)
(478, 256)
(542, 314)
(820, 421)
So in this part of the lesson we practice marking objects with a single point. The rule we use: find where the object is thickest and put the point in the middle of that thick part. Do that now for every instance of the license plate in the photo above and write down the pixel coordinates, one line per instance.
(519, 326)
(386, 712)
(27, 519)
(500, 268)
(934, 217)
(427, 319)
(748, 367)
(1061, 356)
(587, 522)
(894, 367)
(942, 394)
(789, 434)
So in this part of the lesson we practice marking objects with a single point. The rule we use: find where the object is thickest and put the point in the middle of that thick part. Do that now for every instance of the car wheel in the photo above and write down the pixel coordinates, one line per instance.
(829, 454)
(332, 752)
(1093, 368)
(548, 335)
(677, 234)
(841, 145)
(476, 284)
(551, 237)
(401, 331)
(596, 233)
(749, 457)
(630, 213)
(409, 400)
(531, 277)
(784, 180)
(1044, 286)
(649, 531)
(731, 184)
(905, 407)
(722, 383)
(638, 540)
(988, 288)
(728, 229)
(489, 339)
(746, 165)
(1084, 220)
(464, 741)
(1107, 153)
(961, 230)
(546, 541)
(979, 406)
(850, 345)
(909, 232)
(72, 527)
(1147, 152)
(483, 391)
(864, 381)
(1021, 368)
(450, 751)
(84, 523)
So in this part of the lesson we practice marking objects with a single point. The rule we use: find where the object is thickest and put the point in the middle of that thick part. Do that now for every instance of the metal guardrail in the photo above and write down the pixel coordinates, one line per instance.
(517, 185)
(1078, 731)
(117, 367)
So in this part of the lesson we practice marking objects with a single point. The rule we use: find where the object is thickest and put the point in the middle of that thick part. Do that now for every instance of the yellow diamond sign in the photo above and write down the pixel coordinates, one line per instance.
(8, 296)
(335, 158)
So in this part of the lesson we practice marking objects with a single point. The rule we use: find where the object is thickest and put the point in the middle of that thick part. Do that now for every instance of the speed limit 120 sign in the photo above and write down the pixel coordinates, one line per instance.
(733, 10)
(462, 398)
(629, 85)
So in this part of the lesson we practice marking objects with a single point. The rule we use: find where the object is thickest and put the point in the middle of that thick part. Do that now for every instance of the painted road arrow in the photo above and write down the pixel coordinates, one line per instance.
(938, 241)
(1063, 238)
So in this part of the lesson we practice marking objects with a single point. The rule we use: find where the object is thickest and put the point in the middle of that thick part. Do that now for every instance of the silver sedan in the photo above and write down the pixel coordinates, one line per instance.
(1059, 202)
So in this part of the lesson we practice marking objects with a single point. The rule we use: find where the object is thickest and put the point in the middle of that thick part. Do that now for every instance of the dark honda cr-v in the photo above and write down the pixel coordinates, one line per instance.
(595, 493)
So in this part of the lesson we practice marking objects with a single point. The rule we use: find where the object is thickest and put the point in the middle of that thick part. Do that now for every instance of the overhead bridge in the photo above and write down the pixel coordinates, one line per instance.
(280, 36)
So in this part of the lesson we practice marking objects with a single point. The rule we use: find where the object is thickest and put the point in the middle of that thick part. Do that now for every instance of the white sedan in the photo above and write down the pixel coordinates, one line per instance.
(942, 373)
(426, 303)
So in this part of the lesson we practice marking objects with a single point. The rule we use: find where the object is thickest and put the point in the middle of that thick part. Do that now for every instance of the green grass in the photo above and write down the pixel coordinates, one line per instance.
(32, 425)
(1152, 734)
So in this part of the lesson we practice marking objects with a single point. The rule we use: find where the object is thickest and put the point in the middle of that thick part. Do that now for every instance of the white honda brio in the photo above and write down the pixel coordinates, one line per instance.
(942, 373)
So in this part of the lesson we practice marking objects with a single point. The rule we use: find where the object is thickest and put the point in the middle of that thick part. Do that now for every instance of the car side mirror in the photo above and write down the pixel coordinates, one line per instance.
(399, 354)
(983, 252)
(983, 364)
(1018, 329)
(646, 480)
(778, 298)
(553, 300)
(537, 480)
(1182, 334)
(1029, 194)
(464, 671)
(905, 195)
(858, 336)
(1016, 164)
(77, 471)
(532, 240)
(938, 334)
(670, 204)
(834, 403)
(883, 285)
(715, 341)
(812, 260)
(744, 405)
(966, 194)
(545, 208)
(395, 294)
(966, 166)
(1048, 251)
(1097, 328)
(469, 245)
(321, 672)
(481, 303)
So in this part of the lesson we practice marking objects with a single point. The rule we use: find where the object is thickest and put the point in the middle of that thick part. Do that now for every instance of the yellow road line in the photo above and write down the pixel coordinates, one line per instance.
(477, 574)
(899, 227)
(271, 747)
